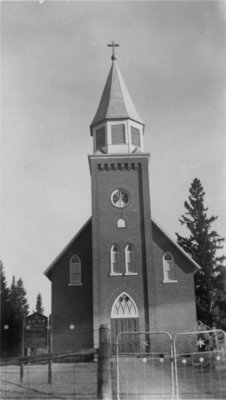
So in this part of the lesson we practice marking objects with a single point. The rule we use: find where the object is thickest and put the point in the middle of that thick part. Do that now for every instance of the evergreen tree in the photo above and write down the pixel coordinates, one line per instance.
(39, 307)
(14, 308)
(4, 312)
(18, 311)
(22, 306)
(13, 294)
(202, 245)
(4, 295)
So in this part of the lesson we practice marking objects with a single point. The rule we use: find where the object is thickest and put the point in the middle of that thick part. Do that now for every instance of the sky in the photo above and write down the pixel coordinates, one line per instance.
(54, 64)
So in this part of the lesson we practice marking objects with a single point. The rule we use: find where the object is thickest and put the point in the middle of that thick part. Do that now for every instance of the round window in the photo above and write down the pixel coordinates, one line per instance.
(120, 198)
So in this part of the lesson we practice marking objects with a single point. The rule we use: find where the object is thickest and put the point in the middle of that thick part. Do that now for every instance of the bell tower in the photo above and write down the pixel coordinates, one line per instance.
(121, 217)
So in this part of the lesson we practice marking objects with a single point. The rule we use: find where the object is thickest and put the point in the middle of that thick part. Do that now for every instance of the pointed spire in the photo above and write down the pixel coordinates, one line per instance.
(115, 102)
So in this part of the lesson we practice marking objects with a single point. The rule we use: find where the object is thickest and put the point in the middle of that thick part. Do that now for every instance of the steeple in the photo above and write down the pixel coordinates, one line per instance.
(117, 126)
(115, 102)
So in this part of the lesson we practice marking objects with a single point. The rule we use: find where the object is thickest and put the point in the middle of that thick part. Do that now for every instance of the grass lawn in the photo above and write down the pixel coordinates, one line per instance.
(69, 381)
(138, 379)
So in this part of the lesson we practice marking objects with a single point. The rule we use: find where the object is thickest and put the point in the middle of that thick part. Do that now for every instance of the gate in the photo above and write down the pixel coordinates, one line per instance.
(146, 370)
(200, 365)
(153, 365)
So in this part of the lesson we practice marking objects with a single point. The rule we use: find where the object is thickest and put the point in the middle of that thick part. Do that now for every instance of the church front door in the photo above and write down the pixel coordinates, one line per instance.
(124, 318)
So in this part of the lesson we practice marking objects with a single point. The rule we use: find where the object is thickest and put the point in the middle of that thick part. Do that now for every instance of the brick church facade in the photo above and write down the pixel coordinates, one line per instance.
(121, 269)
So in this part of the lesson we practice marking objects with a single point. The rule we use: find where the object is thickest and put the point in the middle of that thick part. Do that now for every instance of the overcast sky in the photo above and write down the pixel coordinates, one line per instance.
(55, 62)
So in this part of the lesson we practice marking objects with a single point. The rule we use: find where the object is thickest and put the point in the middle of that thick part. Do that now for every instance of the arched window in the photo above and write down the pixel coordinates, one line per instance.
(124, 307)
(130, 259)
(121, 223)
(115, 265)
(75, 270)
(168, 267)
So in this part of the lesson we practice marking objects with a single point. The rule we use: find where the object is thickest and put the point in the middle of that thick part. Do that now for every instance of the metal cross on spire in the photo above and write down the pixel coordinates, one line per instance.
(113, 45)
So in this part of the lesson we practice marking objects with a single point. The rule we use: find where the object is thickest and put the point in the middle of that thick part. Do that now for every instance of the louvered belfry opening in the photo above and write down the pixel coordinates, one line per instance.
(100, 137)
(118, 134)
(135, 136)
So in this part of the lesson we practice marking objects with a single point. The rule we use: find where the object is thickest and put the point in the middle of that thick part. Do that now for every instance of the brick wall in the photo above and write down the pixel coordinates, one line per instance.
(108, 174)
(176, 309)
(73, 304)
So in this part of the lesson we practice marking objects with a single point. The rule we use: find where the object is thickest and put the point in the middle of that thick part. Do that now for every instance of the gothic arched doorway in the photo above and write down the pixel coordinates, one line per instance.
(124, 318)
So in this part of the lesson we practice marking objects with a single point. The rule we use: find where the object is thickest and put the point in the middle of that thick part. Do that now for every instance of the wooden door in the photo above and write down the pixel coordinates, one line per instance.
(128, 343)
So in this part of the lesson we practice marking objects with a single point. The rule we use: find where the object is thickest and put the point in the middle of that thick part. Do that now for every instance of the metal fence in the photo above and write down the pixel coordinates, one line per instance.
(200, 365)
(153, 365)
(144, 368)
(147, 366)
(69, 379)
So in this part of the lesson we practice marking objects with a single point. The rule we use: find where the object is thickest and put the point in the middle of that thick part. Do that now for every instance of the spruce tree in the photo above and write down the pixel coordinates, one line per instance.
(4, 295)
(4, 312)
(202, 245)
(14, 308)
(21, 299)
(18, 311)
(39, 307)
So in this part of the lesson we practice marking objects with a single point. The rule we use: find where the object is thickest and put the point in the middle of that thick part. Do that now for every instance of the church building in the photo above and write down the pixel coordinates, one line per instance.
(121, 268)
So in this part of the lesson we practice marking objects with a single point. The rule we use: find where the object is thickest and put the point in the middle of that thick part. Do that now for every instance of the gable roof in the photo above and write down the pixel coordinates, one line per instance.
(48, 270)
(115, 101)
(30, 316)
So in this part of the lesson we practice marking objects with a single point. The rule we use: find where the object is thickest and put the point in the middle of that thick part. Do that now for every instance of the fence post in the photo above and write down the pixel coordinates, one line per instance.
(49, 344)
(22, 350)
(103, 368)
(21, 371)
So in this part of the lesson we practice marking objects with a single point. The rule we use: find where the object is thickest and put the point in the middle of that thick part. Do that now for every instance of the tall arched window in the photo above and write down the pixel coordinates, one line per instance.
(75, 270)
(115, 265)
(130, 259)
(168, 267)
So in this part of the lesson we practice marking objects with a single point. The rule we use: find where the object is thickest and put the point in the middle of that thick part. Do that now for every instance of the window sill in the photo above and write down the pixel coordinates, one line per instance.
(75, 284)
(170, 281)
(130, 273)
(124, 274)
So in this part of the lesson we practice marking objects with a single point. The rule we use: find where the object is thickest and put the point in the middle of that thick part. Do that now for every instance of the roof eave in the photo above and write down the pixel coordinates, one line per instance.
(195, 265)
(48, 270)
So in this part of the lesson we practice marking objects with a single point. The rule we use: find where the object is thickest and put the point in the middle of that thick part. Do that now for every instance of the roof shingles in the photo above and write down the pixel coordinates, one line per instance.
(115, 101)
